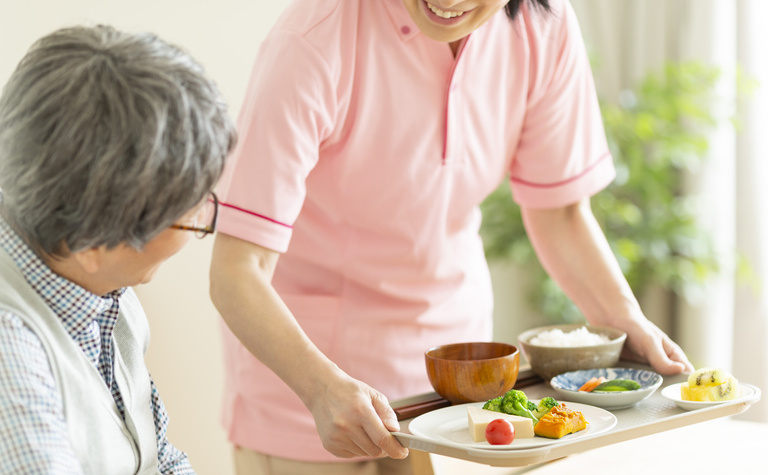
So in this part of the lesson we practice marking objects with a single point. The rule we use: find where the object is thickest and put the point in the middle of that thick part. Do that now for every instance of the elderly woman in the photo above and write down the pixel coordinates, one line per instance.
(110, 145)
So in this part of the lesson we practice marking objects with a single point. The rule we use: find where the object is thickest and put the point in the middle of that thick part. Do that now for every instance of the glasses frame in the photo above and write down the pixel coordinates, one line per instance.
(201, 232)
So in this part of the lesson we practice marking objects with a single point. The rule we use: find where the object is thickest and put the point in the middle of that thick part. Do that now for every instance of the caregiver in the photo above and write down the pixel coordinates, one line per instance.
(371, 132)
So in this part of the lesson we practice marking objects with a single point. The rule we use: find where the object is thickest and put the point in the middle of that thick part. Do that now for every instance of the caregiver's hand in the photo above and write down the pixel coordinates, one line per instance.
(355, 420)
(646, 343)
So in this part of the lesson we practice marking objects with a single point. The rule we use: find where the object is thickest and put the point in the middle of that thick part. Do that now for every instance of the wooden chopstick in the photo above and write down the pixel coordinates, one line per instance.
(413, 410)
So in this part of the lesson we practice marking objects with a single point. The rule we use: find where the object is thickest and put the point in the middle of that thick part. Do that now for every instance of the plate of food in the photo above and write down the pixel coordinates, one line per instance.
(708, 387)
(453, 425)
(608, 388)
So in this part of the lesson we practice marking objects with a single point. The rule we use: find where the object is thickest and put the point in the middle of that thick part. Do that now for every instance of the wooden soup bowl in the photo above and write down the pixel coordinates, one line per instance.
(472, 372)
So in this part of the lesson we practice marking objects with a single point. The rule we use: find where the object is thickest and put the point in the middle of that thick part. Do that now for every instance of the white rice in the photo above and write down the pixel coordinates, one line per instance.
(579, 337)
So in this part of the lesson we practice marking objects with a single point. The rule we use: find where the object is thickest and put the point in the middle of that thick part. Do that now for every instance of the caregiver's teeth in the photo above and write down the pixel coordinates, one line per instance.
(443, 14)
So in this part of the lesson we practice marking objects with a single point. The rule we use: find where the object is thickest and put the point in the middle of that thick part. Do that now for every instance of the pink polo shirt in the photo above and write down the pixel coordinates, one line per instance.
(365, 149)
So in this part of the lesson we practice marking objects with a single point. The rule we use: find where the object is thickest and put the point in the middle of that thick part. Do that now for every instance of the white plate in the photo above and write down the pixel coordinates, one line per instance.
(567, 386)
(672, 392)
(450, 424)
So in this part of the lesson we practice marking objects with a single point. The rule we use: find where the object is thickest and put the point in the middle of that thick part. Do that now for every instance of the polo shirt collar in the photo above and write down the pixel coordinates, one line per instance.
(403, 23)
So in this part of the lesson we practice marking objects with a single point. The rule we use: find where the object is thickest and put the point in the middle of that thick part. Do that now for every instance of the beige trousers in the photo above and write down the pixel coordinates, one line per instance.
(248, 462)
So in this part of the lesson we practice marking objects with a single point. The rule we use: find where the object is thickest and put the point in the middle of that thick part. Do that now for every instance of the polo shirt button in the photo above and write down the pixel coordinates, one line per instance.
(405, 29)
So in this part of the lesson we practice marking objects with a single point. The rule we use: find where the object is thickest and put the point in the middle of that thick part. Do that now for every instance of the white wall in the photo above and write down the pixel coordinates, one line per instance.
(184, 357)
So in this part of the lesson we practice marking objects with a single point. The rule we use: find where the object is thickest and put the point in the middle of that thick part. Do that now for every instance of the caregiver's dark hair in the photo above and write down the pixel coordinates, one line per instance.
(514, 6)
(107, 137)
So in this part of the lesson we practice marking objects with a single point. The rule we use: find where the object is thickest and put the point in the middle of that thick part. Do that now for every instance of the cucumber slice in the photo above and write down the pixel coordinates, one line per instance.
(614, 385)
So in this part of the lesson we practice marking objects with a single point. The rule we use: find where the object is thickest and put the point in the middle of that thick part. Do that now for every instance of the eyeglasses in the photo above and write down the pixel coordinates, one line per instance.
(208, 213)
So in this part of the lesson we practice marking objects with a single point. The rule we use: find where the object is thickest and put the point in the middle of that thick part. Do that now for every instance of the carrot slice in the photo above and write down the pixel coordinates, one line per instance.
(588, 385)
(592, 384)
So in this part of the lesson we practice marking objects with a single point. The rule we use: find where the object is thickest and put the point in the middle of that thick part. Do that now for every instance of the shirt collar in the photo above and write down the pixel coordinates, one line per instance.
(406, 29)
(75, 306)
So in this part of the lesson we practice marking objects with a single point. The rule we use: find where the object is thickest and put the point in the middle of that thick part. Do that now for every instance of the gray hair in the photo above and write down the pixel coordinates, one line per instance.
(106, 138)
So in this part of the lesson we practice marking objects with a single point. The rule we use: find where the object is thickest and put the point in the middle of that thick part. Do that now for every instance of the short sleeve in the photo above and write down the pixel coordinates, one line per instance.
(289, 109)
(563, 154)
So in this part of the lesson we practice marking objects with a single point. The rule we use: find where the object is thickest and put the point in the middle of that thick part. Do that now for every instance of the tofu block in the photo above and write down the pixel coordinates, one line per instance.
(479, 418)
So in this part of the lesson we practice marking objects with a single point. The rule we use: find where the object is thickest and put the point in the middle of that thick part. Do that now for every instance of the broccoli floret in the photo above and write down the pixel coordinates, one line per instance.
(531, 406)
(516, 402)
(494, 404)
(545, 405)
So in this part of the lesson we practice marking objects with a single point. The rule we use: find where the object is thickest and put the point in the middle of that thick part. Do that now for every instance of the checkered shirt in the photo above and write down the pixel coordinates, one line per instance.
(33, 432)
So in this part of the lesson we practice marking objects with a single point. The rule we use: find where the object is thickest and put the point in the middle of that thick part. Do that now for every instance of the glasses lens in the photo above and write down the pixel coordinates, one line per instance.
(207, 213)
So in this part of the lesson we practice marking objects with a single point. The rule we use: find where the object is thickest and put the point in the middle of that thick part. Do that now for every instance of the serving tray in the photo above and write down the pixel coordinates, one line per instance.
(653, 415)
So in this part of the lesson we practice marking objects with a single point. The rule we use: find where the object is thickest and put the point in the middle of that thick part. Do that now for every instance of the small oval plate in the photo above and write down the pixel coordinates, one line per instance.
(567, 386)
(672, 392)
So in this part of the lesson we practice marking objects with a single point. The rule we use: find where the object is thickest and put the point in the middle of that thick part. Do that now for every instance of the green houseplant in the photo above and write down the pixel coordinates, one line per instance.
(656, 133)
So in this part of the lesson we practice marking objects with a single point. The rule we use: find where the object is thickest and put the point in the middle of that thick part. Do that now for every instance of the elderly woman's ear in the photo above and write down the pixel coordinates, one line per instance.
(89, 260)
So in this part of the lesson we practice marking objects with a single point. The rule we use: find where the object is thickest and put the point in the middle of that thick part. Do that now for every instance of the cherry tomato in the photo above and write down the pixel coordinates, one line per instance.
(500, 432)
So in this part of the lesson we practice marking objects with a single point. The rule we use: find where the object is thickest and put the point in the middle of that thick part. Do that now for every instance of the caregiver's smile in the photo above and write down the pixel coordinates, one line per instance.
(449, 20)
(443, 13)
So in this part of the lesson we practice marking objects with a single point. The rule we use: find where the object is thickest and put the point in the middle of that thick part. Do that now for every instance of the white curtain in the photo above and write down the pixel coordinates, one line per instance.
(751, 305)
(630, 38)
